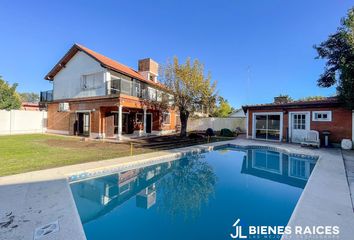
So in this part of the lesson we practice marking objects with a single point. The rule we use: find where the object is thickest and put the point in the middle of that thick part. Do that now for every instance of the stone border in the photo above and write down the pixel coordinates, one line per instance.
(325, 201)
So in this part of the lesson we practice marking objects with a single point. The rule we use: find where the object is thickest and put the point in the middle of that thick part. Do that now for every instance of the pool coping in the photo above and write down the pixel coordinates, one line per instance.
(70, 224)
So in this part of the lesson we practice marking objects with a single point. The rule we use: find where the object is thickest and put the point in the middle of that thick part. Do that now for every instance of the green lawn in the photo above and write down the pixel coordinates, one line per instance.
(24, 153)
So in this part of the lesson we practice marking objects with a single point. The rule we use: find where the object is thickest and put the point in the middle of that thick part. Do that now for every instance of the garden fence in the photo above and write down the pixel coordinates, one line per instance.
(21, 121)
(201, 124)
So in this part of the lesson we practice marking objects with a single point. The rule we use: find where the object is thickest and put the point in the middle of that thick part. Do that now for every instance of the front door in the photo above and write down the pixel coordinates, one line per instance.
(300, 125)
(83, 124)
(148, 123)
(125, 123)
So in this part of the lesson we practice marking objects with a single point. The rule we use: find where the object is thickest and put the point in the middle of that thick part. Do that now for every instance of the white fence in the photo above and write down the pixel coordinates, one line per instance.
(201, 124)
(20, 121)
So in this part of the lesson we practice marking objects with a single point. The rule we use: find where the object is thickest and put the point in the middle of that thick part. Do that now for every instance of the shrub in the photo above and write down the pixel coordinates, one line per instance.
(225, 132)
(210, 132)
(195, 135)
(238, 131)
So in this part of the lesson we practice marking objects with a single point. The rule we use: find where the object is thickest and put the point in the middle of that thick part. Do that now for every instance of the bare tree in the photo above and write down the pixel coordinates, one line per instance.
(190, 88)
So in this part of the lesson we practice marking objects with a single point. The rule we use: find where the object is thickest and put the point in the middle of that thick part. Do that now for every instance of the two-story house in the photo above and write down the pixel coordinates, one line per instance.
(98, 97)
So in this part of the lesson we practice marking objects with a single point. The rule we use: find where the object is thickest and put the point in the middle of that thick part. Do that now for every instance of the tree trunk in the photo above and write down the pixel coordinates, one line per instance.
(184, 119)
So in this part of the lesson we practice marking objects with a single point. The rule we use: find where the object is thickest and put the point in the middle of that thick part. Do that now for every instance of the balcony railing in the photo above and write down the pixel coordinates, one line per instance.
(46, 96)
(135, 89)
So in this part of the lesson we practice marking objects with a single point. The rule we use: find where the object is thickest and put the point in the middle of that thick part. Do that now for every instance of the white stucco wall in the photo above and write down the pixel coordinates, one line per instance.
(201, 124)
(67, 82)
(21, 121)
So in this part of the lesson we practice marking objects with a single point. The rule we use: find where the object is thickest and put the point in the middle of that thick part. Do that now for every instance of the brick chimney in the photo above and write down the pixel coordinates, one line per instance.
(281, 99)
(149, 69)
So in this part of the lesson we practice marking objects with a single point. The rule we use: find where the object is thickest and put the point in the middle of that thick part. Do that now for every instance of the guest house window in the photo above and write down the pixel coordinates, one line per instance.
(267, 126)
(322, 116)
(299, 121)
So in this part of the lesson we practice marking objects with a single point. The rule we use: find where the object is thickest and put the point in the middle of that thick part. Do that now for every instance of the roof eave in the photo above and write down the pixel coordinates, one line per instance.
(280, 106)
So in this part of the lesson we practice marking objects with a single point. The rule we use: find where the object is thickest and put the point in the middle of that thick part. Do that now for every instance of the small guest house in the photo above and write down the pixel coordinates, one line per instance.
(290, 121)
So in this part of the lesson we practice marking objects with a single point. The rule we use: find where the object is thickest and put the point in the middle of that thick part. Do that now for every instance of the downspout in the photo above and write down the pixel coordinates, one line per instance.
(247, 115)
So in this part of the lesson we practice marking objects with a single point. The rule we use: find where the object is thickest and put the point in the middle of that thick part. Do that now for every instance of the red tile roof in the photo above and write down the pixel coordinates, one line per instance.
(103, 60)
(300, 103)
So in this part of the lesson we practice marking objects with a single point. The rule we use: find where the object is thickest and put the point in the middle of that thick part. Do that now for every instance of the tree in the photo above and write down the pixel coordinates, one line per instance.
(338, 50)
(223, 109)
(190, 88)
(9, 98)
(187, 188)
(29, 97)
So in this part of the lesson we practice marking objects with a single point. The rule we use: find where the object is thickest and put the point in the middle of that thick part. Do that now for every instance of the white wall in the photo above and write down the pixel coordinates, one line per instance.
(21, 121)
(67, 82)
(201, 124)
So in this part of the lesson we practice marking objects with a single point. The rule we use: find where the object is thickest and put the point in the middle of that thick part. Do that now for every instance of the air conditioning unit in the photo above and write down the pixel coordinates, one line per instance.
(64, 107)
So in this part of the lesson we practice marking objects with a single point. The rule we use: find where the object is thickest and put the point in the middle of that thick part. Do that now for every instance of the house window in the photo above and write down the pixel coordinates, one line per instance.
(166, 118)
(178, 120)
(322, 116)
(139, 118)
(115, 85)
(125, 86)
(152, 93)
(137, 89)
(91, 81)
(299, 121)
(115, 123)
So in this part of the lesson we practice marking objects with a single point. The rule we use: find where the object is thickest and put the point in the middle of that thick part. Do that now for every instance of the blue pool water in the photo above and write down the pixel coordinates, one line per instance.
(197, 197)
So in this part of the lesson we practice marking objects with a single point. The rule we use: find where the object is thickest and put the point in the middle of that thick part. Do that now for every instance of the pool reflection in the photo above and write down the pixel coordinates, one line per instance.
(278, 167)
(103, 194)
(192, 177)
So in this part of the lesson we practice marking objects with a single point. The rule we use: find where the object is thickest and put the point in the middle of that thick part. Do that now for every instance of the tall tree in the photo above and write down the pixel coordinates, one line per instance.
(9, 98)
(338, 50)
(29, 97)
(190, 88)
(223, 109)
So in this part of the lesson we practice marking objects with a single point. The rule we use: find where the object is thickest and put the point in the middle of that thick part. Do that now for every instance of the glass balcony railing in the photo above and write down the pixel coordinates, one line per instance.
(46, 96)
(135, 89)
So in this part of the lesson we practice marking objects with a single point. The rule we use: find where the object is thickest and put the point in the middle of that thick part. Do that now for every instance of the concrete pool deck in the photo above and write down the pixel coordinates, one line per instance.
(35, 199)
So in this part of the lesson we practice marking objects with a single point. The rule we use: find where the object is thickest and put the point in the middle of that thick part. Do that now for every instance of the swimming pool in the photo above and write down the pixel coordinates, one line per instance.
(196, 197)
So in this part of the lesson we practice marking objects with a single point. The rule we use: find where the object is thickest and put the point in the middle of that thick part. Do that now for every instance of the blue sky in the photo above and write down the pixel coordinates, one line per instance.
(254, 49)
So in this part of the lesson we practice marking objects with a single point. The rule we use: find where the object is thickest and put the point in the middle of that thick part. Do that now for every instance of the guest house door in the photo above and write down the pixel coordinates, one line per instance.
(299, 126)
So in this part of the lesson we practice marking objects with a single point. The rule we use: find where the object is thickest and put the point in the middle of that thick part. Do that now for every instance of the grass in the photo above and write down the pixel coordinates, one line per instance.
(24, 153)
(30, 152)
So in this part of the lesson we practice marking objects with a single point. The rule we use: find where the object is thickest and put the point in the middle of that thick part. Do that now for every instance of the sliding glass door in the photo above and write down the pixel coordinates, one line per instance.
(267, 126)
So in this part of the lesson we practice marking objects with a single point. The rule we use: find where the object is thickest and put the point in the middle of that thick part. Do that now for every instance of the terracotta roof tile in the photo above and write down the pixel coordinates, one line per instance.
(105, 61)
(328, 100)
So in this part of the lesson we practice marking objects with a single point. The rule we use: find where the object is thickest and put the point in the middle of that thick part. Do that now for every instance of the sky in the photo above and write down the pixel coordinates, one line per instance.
(254, 49)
